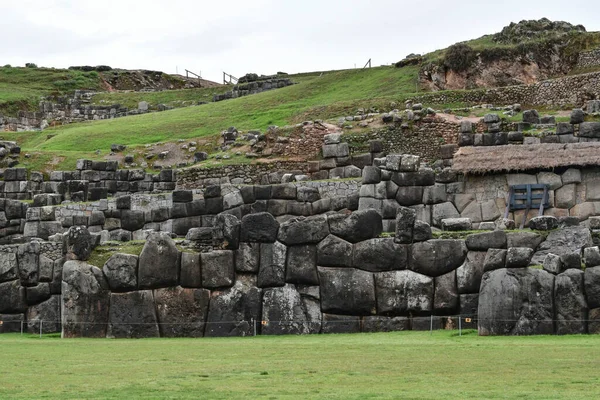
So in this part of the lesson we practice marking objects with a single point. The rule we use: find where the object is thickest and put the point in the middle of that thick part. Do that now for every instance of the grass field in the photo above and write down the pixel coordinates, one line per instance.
(409, 365)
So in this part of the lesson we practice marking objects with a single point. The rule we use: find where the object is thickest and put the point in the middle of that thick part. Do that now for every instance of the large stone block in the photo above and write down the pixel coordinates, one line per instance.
(303, 230)
(158, 262)
(181, 312)
(271, 271)
(592, 286)
(437, 257)
(422, 177)
(374, 324)
(283, 312)
(516, 302)
(403, 292)
(190, 275)
(218, 269)
(347, 291)
(334, 252)
(28, 255)
(85, 300)
(569, 303)
(261, 227)
(133, 315)
(9, 268)
(360, 225)
(235, 311)
(446, 298)
(486, 240)
(589, 129)
(380, 254)
(46, 313)
(12, 297)
(409, 195)
(443, 211)
(301, 267)
(120, 271)
(336, 150)
(568, 240)
(469, 274)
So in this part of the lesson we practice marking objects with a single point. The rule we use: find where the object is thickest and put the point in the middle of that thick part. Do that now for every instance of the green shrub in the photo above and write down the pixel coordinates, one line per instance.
(459, 57)
(30, 65)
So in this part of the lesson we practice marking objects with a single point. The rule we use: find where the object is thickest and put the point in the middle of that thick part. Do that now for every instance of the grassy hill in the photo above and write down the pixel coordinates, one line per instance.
(316, 95)
(21, 88)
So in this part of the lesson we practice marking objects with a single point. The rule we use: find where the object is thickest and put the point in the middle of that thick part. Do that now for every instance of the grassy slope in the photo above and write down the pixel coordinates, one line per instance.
(24, 86)
(332, 94)
(174, 98)
(386, 365)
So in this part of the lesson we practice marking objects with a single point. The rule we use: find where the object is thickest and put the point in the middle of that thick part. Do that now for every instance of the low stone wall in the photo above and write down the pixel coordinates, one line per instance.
(589, 59)
(245, 89)
(567, 91)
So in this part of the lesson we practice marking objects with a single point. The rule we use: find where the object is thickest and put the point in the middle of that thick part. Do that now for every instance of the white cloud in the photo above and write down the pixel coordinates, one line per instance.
(263, 36)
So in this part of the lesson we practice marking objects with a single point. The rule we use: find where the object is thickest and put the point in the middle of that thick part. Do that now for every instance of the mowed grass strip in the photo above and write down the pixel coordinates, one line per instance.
(332, 94)
(410, 365)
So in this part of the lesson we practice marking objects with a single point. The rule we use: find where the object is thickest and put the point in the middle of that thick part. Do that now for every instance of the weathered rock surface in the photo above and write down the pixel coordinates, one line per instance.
(181, 312)
(403, 292)
(380, 254)
(28, 255)
(437, 257)
(334, 252)
(571, 239)
(569, 303)
(232, 311)
(302, 265)
(12, 297)
(446, 296)
(347, 291)
(271, 272)
(283, 312)
(470, 273)
(79, 243)
(46, 313)
(260, 227)
(132, 315)
(157, 265)
(378, 323)
(217, 269)
(302, 230)
(85, 300)
(360, 225)
(121, 272)
(516, 302)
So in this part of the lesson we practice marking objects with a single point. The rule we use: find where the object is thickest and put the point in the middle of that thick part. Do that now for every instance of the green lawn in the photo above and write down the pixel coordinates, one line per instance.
(411, 365)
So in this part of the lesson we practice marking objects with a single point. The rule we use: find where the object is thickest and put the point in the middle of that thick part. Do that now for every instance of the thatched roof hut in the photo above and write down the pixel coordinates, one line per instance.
(487, 159)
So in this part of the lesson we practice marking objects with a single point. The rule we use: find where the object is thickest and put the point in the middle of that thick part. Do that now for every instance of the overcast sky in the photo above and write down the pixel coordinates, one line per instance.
(262, 36)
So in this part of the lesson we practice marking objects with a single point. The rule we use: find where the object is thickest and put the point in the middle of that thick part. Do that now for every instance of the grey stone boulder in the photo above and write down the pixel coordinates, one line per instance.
(120, 271)
(190, 275)
(247, 257)
(158, 265)
(468, 275)
(446, 295)
(403, 293)
(133, 315)
(301, 267)
(46, 313)
(347, 291)
(516, 301)
(307, 194)
(303, 230)
(78, 243)
(37, 294)
(9, 268)
(486, 240)
(405, 225)
(577, 116)
(132, 220)
(12, 297)
(518, 257)
(571, 261)
(360, 225)
(437, 257)
(336, 150)
(422, 231)
(422, 177)
(442, 211)
(371, 175)
(227, 231)
(543, 223)
(380, 254)
(494, 259)
(569, 303)
(524, 239)
(531, 117)
(234, 311)
(456, 224)
(28, 256)
(571, 239)
(469, 303)
(409, 195)
(334, 252)
(552, 264)
(218, 269)
(592, 286)
(283, 312)
(181, 312)
(271, 272)
(261, 227)
(85, 300)
(589, 129)
(591, 256)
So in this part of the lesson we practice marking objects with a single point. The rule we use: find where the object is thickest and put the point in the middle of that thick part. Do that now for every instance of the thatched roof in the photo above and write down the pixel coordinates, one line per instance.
(479, 160)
